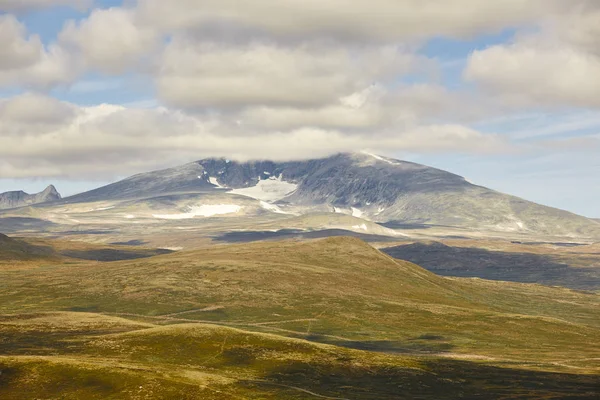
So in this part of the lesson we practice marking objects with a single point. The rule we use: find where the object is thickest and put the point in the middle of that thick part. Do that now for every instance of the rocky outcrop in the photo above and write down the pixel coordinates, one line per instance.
(20, 199)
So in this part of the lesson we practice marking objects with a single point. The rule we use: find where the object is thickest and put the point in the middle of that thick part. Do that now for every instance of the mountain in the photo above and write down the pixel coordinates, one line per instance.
(384, 190)
(19, 198)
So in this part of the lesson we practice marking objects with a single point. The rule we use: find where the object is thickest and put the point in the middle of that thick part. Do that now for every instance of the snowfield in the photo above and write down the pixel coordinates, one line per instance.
(375, 156)
(272, 207)
(357, 213)
(214, 181)
(206, 210)
(272, 189)
(361, 227)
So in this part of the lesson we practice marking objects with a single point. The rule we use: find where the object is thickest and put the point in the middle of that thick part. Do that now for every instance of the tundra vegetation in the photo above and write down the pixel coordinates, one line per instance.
(332, 318)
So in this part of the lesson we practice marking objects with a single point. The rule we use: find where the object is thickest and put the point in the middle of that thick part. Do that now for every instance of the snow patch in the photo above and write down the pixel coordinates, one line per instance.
(272, 207)
(362, 227)
(214, 181)
(357, 213)
(104, 208)
(207, 210)
(272, 189)
(129, 216)
(375, 156)
(177, 248)
(100, 209)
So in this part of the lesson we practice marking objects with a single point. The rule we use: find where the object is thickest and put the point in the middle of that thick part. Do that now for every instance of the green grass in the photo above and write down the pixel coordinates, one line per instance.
(269, 320)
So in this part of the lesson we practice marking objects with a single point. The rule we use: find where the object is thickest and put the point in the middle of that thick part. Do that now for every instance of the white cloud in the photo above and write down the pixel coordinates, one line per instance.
(106, 140)
(28, 5)
(109, 39)
(580, 27)
(538, 75)
(216, 75)
(24, 61)
(17, 50)
(32, 108)
(379, 20)
(372, 109)
(281, 79)
(557, 66)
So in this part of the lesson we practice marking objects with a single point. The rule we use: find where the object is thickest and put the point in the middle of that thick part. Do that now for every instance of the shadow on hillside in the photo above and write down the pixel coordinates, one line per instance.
(406, 226)
(427, 344)
(17, 249)
(253, 236)
(494, 265)
(434, 379)
(19, 224)
(86, 232)
(108, 255)
(134, 242)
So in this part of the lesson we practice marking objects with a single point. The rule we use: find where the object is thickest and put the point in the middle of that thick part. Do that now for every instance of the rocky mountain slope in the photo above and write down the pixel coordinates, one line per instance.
(392, 192)
(19, 198)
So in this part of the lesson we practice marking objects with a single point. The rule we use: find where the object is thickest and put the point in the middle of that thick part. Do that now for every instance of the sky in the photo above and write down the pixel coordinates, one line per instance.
(504, 93)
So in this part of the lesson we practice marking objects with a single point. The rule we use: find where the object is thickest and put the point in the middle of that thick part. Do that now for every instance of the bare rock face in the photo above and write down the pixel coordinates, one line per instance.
(20, 199)
(384, 190)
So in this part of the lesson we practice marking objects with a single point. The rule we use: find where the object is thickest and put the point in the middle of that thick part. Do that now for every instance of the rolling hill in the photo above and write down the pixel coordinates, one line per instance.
(331, 318)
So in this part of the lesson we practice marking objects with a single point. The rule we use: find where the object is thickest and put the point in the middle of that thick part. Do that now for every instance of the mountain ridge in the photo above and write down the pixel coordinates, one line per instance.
(19, 198)
(372, 187)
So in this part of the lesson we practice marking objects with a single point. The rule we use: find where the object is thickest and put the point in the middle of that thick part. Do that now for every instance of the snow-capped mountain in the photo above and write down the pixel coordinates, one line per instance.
(393, 192)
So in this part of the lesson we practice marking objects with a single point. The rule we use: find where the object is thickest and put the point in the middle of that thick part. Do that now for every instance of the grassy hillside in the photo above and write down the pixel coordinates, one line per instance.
(14, 249)
(333, 318)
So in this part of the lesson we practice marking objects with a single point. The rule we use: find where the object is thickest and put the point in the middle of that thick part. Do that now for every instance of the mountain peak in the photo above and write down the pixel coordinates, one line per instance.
(362, 184)
(51, 191)
(19, 198)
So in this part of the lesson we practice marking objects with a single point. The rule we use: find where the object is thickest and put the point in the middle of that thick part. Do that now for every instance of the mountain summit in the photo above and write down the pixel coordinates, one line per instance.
(20, 199)
(384, 190)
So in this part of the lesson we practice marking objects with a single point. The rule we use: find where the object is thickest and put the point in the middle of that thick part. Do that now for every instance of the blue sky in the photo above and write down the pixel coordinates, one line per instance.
(505, 97)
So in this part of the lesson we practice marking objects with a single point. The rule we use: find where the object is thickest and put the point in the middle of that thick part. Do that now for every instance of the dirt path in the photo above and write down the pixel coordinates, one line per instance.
(205, 309)
(263, 325)
(298, 389)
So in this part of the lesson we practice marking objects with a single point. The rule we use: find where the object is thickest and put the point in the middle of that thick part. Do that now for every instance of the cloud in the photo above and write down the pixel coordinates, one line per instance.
(533, 75)
(18, 6)
(24, 61)
(374, 20)
(372, 109)
(109, 40)
(555, 67)
(17, 50)
(106, 141)
(284, 80)
(32, 108)
(580, 27)
(208, 74)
